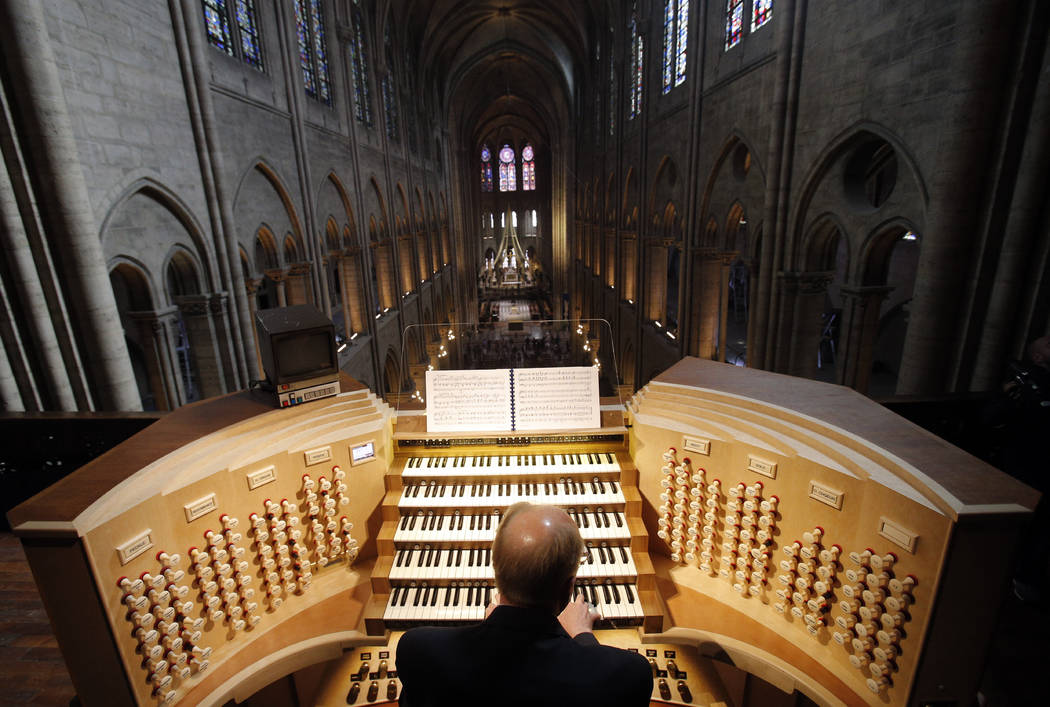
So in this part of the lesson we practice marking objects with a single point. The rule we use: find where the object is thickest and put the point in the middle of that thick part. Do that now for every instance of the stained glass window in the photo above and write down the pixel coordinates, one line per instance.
(669, 37)
(218, 24)
(486, 168)
(612, 98)
(320, 52)
(390, 109)
(734, 22)
(761, 13)
(393, 130)
(248, 27)
(528, 169)
(359, 72)
(637, 69)
(306, 57)
(682, 43)
(507, 171)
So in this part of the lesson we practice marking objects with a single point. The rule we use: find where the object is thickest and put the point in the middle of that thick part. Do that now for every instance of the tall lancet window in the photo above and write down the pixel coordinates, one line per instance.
(507, 170)
(486, 168)
(237, 38)
(761, 13)
(637, 58)
(313, 55)
(528, 169)
(359, 70)
(676, 41)
(734, 23)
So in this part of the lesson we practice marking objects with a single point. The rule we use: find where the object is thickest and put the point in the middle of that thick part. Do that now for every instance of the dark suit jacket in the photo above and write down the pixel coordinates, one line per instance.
(518, 657)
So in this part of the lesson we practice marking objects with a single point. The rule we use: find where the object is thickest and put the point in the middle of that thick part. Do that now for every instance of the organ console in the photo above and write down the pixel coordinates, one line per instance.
(793, 528)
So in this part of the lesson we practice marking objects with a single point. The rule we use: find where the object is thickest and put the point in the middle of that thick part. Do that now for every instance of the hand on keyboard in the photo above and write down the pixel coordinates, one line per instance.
(578, 617)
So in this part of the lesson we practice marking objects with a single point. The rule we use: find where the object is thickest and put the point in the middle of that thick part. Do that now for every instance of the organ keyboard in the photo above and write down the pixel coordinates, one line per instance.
(812, 536)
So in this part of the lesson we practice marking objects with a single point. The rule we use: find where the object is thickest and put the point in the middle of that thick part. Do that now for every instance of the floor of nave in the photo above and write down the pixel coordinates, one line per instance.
(32, 671)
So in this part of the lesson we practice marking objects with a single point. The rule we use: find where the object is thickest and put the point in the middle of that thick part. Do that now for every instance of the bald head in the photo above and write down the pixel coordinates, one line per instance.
(1039, 352)
(535, 556)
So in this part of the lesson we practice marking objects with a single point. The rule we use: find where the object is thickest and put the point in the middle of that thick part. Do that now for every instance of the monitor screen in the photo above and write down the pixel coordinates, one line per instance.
(303, 355)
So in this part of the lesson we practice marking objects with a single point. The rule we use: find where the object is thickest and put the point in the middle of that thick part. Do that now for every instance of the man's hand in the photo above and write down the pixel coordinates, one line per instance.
(578, 617)
(493, 604)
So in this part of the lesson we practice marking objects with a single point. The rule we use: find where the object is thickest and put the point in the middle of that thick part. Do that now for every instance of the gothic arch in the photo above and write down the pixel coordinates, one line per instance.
(257, 186)
(742, 183)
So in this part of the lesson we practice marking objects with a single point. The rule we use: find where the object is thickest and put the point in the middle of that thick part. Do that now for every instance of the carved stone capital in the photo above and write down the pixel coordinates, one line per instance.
(806, 283)
(276, 275)
(217, 303)
(194, 305)
(298, 269)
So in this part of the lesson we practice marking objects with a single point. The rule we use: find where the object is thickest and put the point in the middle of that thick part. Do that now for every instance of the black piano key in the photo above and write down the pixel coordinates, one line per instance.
(459, 557)
(488, 595)
(455, 596)
(488, 556)
(448, 594)
(395, 595)
(404, 596)
(619, 520)
(616, 593)
(593, 594)
(434, 597)
(630, 594)
(585, 518)
(607, 594)
(404, 522)
(623, 554)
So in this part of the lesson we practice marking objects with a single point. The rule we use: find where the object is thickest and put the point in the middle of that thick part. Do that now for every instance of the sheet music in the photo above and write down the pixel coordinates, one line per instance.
(562, 398)
(510, 400)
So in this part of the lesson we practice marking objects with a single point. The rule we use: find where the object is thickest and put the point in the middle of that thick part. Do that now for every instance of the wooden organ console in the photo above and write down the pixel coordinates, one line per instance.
(794, 528)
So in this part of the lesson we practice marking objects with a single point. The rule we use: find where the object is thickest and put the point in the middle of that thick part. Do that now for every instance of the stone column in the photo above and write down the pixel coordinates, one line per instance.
(218, 304)
(385, 275)
(65, 207)
(162, 367)
(278, 276)
(404, 252)
(251, 287)
(801, 297)
(725, 260)
(10, 397)
(656, 280)
(297, 284)
(705, 308)
(200, 331)
(353, 301)
(859, 327)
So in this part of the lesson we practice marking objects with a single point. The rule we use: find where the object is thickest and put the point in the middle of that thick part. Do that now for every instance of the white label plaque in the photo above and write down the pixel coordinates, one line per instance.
(135, 547)
(316, 456)
(761, 466)
(898, 534)
(826, 495)
(695, 444)
(261, 477)
(200, 507)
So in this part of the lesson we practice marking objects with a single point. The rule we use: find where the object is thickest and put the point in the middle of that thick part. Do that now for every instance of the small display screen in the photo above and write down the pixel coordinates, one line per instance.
(362, 452)
(304, 355)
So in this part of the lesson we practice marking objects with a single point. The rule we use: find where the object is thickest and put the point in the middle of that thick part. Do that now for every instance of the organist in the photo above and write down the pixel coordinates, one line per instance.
(536, 641)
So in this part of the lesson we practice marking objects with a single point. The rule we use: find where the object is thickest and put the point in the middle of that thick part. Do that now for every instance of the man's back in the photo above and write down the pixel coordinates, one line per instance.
(518, 657)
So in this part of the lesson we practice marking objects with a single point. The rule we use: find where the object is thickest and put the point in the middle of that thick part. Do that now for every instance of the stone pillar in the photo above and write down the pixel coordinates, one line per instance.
(385, 275)
(251, 287)
(353, 298)
(725, 260)
(705, 308)
(798, 325)
(859, 328)
(10, 397)
(162, 366)
(297, 284)
(404, 252)
(218, 306)
(278, 277)
(656, 281)
(421, 254)
(630, 266)
(64, 204)
(200, 331)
